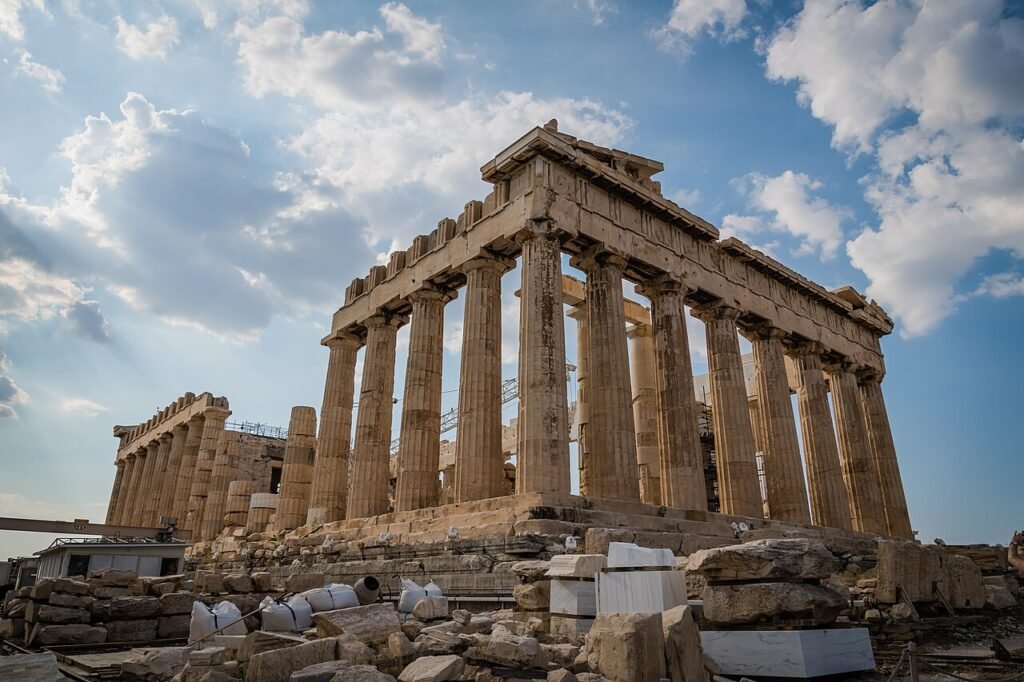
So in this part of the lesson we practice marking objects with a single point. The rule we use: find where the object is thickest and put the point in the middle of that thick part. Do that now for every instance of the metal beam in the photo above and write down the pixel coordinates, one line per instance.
(84, 527)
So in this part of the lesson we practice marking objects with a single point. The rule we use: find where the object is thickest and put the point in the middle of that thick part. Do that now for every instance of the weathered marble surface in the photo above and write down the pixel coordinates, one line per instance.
(574, 597)
(640, 591)
(793, 653)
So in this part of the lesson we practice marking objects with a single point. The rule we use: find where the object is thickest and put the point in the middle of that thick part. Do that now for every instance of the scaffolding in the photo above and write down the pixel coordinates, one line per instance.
(259, 429)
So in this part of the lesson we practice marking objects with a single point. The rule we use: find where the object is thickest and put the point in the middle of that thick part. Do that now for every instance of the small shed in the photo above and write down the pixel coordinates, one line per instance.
(79, 556)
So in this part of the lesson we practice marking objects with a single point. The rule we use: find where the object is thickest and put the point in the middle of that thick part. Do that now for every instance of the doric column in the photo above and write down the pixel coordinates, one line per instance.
(612, 472)
(262, 507)
(115, 490)
(158, 482)
(479, 461)
(329, 494)
(644, 378)
(187, 470)
(859, 473)
(172, 471)
(213, 426)
(830, 505)
(883, 452)
(236, 510)
(372, 453)
(542, 453)
(682, 458)
(124, 500)
(223, 472)
(579, 313)
(297, 469)
(419, 451)
(147, 486)
(738, 487)
(784, 473)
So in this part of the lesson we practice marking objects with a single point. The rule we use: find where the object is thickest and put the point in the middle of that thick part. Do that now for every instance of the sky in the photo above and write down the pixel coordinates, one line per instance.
(186, 188)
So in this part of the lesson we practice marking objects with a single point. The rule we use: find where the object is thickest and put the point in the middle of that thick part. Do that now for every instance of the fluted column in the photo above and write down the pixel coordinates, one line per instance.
(173, 470)
(784, 473)
(213, 426)
(859, 473)
(738, 487)
(236, 509)
(157, 482)
(144, 505)
(115, 490)
(224, 471)
(613, 471)
(372, 453)
(479, 460)
(682, 458)
(883, 452)
(297, 469)
(131, 482)
(830, 505)
(579, 313)
(419, 451)
(329, 494)
(644, 379)
(187, 470)
(542, 453)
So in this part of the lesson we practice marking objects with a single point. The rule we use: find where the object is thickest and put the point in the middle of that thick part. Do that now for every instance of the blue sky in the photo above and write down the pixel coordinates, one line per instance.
(187, 187)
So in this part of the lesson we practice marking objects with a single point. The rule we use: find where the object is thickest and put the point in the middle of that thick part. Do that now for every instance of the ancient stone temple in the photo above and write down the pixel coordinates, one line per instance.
(643, 456)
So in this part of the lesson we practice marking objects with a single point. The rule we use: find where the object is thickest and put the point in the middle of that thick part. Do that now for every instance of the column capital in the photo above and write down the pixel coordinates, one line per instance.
(164, 437)
(716, 310)
(764, 331)
(488, 260)
(343, 340)
(384, 319)
(180, 430)
(598, 255)
(540, 229)
(837, 365)
(799, 349)
(432, 292)
(870, 375)
(639, 330)
(665, 283)
(578, 312)
(214, 412)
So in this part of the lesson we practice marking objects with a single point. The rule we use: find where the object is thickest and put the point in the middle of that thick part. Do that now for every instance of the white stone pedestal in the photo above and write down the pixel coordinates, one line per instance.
(790, 653)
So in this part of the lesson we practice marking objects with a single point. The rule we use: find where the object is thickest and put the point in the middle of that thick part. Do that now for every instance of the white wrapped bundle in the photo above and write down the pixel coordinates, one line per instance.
(206, 621)
(330, 597)
(294, 615)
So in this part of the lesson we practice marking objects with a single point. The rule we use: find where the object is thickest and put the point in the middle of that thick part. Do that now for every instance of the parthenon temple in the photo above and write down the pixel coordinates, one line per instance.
(635, 417)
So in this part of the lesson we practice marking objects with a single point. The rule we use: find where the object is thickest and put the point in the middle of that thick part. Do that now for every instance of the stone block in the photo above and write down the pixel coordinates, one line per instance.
(964, 582)
(533, 569)
(573, 597)
(627, 647)
(278, 665)
(640, 591)
(533, 596)
(998, 597)
(749, 603)
(916, 568)
(12, 628)
(798, 654)
(71, 601)
(570, 626)
(684, 656)
(128, 608)
(173, 627)
(371, 624)
(503, 648)
(629, 555)
(320, 672)
(431, 608)
(112, 577)
(43, 588)
(47, 635)
(176, 603)
(362, 673)
(560, 654)
(433, 669)
(208, 582)
(160, 589)
(132, 630)
(259, 642)
(262, 581)
(300, 582)
(161, 663)
(775, 559)
(41, 612)
(562, 675)
(355, 652)
(71, 586)
(104, 592)
(210, 655)
(238, 583)
(35, 667)
(577, 565)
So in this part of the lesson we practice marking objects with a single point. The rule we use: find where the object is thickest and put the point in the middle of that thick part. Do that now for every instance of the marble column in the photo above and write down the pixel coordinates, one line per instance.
(159, 481)
(542, 453)
(738, 487)
(172, 471)
(579, 313)
(784, 471)
(419, 452)
(883, 453)
(115, 490)
(830, 505)
(213, 426)
(225, 469)
(297, 470)
(372, 453)
(682, 458)
(124, 500)
(236, 509)
(644, 379)
(612, 472)
(137, 463)
(329, 495)
(262, 507)
(186, 472)
(148, 486)
(859, 473)
(479, 460)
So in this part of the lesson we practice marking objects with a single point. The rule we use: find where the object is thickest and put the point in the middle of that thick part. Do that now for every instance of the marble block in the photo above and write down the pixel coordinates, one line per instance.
(640, 591)
(789, 653)
(574, 597)
(629, 555)
(576, 565)
(570, 626)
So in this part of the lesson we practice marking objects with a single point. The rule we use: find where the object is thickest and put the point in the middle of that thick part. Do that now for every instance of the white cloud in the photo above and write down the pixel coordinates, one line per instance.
(1002, 285)
(81, 406)
(932, 89)
(598, 9)
(789, 199)
(689, 19)
(52, 80)
(10, 16)
(153, 41)
(11, 395)
(685, 197)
